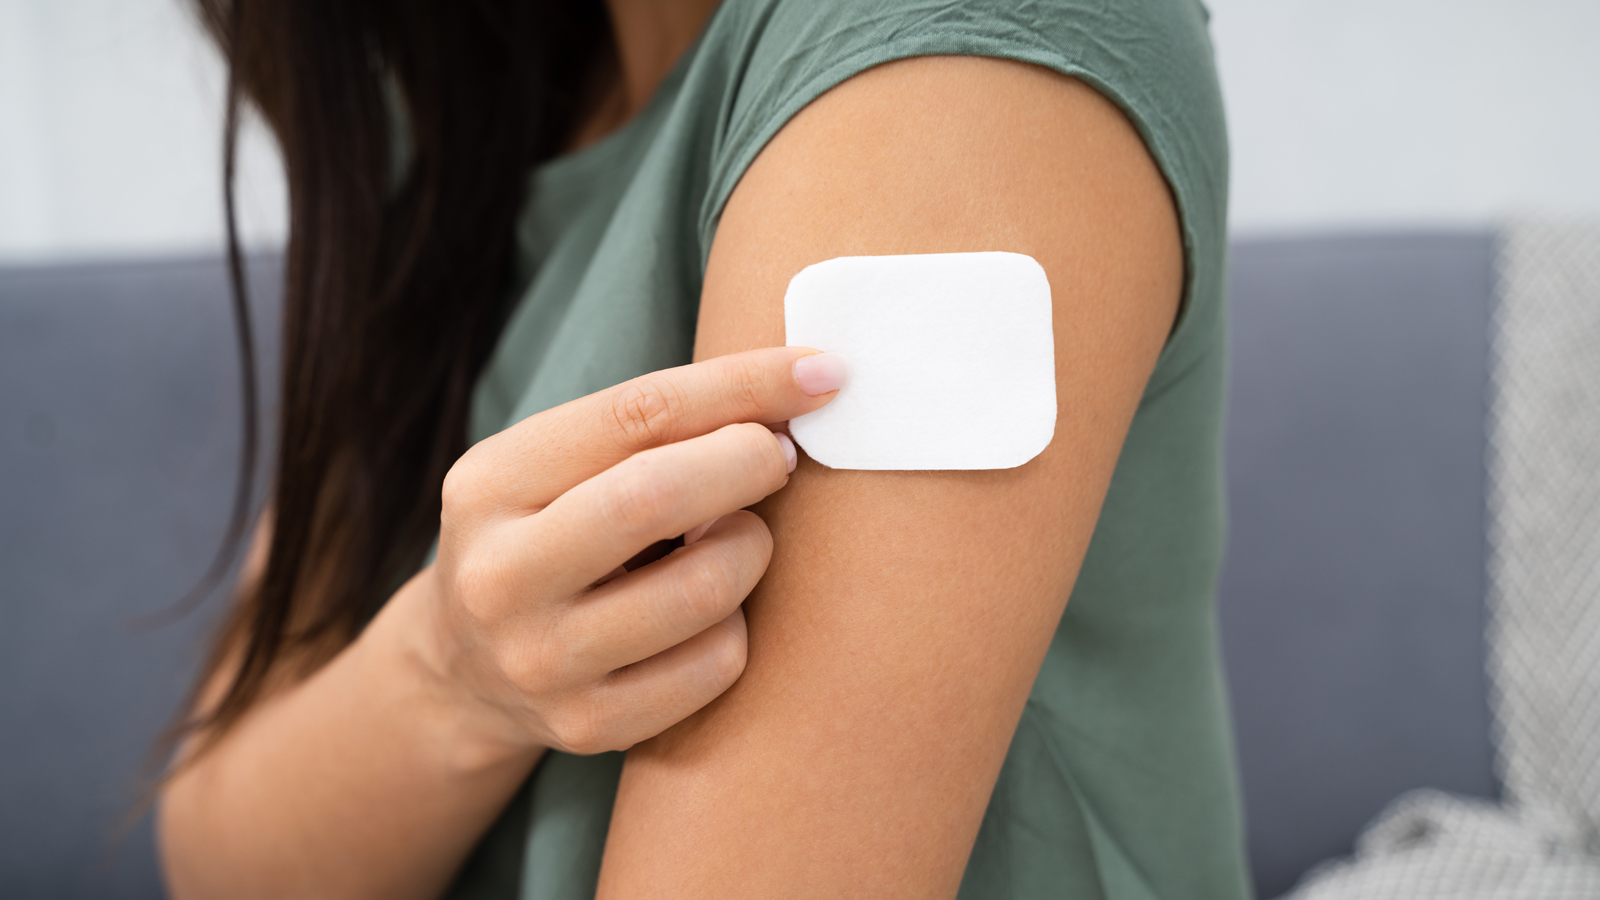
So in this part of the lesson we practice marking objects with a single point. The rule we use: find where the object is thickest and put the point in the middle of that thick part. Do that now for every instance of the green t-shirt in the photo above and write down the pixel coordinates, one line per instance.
(1119, 782)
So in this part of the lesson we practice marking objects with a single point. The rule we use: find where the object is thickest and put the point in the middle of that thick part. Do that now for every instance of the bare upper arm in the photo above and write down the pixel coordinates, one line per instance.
(903, 619)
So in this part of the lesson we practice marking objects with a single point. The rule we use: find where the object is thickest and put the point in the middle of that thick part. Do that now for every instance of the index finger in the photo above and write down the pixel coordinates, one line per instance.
(541, 457)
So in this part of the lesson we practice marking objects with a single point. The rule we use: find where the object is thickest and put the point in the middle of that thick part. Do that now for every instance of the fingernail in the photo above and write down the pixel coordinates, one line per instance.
(790, 456)
(820, 373)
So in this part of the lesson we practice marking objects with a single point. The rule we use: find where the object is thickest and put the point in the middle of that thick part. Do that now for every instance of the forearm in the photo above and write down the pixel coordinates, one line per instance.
(365, 780)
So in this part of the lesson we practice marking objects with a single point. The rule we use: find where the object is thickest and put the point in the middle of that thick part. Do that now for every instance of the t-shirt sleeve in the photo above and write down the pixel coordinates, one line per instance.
(1152, 58)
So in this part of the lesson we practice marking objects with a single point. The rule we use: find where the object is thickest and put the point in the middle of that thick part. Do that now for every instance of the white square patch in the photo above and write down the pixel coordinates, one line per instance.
(951, 360)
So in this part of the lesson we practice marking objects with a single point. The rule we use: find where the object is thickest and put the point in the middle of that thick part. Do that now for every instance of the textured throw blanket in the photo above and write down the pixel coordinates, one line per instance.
(1544, 642)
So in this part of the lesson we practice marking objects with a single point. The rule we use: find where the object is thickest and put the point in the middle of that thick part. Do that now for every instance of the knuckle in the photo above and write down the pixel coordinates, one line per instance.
(580, 730)
(531, 670)
(541, 664)
(462, 492)
(521, 669)
(643, 411)
(749, 539)
(745, 388)
(568, 655)
(475, 578)
(760, 454)
(757, 553)
(726, 657)
(639, 499)
(706, 589)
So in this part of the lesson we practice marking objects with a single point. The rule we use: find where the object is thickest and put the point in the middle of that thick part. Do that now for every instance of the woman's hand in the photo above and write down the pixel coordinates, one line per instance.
(533, 623)
(375, 775)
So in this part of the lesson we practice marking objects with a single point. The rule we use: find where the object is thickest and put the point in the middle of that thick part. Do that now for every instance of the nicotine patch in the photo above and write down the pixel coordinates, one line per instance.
(951, 360)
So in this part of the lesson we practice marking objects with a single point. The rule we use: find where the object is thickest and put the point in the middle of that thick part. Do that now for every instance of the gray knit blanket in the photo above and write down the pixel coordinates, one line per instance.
(1542, 842)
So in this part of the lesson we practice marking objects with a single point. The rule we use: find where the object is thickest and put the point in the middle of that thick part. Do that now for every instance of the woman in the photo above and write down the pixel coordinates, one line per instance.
(899, 708)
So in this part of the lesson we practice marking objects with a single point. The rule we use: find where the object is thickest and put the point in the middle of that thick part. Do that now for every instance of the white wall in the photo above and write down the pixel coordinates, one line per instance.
(110, 134)
(1409, 112)
(1344, 114)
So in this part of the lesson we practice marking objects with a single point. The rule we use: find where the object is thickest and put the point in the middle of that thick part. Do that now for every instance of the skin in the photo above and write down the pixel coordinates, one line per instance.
(879, 668)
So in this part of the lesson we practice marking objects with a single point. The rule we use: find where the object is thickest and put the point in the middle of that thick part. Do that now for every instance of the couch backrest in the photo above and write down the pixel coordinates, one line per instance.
(118, 450)
(1352, 600)
(1351, 603)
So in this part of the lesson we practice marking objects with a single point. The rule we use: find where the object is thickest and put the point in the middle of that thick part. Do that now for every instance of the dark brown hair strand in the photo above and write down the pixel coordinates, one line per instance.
(407, 131)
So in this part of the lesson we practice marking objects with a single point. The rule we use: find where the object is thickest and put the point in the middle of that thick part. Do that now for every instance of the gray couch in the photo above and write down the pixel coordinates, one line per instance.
(1351, 601)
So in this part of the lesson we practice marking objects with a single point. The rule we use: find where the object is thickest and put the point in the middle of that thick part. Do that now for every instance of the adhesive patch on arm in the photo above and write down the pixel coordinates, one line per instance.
(951, 358)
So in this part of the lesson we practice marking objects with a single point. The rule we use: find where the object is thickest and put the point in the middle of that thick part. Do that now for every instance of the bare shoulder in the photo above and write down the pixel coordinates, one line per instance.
(945, 154)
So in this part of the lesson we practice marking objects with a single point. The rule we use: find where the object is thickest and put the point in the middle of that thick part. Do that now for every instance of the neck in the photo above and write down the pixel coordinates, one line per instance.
(651, 35)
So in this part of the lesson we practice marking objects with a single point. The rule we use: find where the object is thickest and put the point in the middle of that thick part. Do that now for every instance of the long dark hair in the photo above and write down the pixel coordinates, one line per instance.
(407, 129)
